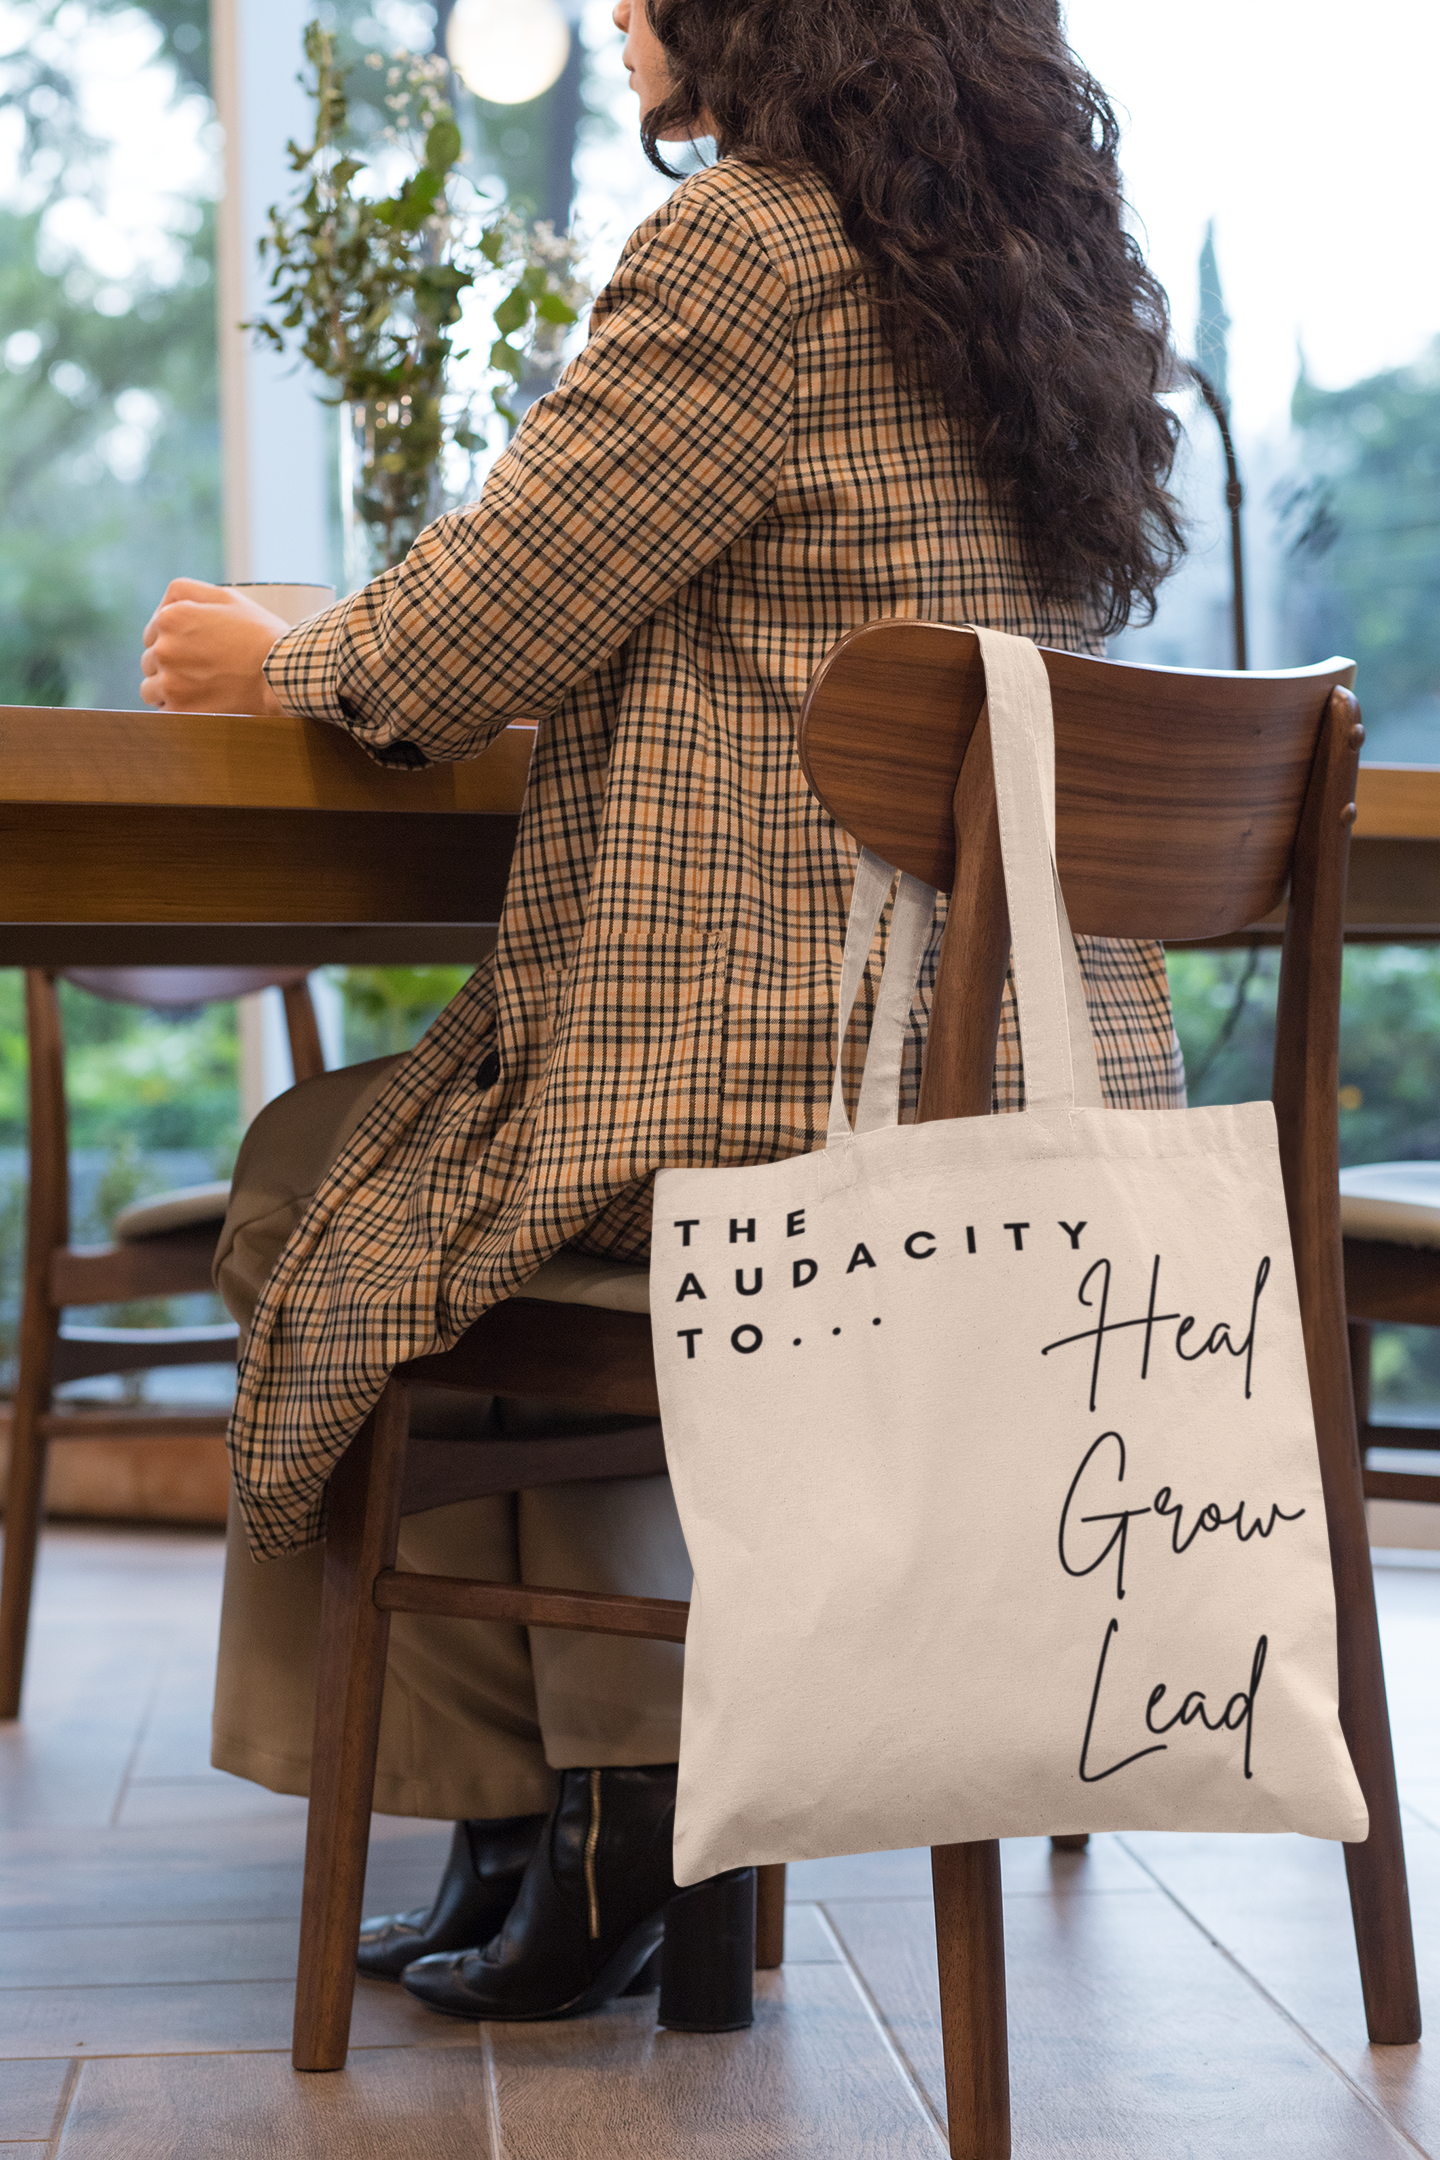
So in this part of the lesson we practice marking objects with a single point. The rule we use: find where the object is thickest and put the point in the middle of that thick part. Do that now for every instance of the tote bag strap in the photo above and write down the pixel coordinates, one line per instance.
(1056, 1040)
(909, 934)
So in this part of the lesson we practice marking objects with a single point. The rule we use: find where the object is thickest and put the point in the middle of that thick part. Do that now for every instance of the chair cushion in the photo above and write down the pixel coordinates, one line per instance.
(573, 1279)
(184, 1209)
(1394, 1203)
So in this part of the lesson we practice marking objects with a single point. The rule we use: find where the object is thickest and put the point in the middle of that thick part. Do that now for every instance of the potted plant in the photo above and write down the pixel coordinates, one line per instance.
(370, 288)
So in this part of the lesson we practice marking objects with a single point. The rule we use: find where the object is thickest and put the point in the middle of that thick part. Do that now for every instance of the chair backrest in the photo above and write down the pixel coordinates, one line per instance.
(1186, 806)
(1178, 800)
(172, 988)
(166, 988)
(1177, 794)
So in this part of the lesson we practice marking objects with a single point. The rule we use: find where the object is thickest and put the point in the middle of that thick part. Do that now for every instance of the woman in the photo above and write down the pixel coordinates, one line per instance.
(892, 354)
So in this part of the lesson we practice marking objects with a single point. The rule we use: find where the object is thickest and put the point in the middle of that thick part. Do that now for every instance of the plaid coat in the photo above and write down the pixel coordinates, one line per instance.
(726, 480)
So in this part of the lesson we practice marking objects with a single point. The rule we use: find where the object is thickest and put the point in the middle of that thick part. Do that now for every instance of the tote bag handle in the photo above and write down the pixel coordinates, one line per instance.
(1055, 1035)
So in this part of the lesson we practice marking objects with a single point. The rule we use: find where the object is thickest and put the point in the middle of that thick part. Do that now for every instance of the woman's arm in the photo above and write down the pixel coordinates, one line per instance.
(660, 446)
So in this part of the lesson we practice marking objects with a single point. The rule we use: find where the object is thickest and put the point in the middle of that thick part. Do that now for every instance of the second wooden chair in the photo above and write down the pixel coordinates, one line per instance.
(163, 1247)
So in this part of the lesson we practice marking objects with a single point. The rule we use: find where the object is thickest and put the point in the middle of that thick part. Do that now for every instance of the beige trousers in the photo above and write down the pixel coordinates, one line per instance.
(477, 1715)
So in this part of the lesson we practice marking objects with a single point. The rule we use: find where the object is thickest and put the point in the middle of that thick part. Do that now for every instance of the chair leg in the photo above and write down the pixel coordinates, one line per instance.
(362, 1526)
(970, 1938)
(769, 1917)
(1379, 1895)
(24, 1498)
(1358, 1333)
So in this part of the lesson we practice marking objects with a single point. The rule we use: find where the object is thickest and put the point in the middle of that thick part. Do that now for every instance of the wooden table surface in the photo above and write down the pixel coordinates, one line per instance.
(130, 838)
(139, 837)
(1393, 893)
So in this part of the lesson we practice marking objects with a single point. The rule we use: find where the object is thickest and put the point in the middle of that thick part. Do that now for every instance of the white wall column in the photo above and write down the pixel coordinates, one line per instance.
(265, 1065)
(273, 428)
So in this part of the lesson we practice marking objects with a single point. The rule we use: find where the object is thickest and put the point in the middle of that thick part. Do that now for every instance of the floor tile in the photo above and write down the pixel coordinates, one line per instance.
(170, 1876)
(1129, 2037)
(813, 2080)
(1421, 1797)
(1409, 1605)
(145, 1889)
(111, 1611)
(1030, 1867)
(808, 1941)
(29, 2095)
(176, 1739)
(885, 1874)
(144, 1956)
(238, 2016)
(388, 2105)
(1280, 1906)
(210, 1797)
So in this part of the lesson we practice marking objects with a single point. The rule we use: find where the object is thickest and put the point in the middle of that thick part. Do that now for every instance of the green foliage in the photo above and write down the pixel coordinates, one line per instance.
(387, 1010)
(1404, 1369)
(109, 433)
(109, 451)
(136, 1079)
(12, 1272)
(370, 289)
(1389, 1080)
(1389, 1041)
(171, 1078)
(535, 314)
(1364, 573)
(371, 286)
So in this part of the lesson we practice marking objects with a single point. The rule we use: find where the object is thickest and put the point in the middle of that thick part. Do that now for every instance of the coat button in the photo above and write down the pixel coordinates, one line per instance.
(487, 1072)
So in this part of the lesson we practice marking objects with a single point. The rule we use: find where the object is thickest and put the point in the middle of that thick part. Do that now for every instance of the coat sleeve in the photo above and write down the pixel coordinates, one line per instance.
(661, 444)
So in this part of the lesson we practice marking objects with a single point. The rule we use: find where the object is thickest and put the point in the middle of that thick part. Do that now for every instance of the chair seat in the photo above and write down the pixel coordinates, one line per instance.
(574, 1279)
(1394, 1203)
(183, 1209)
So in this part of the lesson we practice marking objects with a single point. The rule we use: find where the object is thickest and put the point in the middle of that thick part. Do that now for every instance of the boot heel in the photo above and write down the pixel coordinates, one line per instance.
(707, 1960)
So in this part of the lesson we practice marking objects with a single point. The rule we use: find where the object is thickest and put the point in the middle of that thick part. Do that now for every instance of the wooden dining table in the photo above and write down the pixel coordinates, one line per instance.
(150, 839)
(147, 839)
(1393, 893)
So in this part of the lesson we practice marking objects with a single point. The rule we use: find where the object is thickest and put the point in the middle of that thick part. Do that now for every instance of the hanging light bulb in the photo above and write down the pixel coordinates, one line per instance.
(508, 51)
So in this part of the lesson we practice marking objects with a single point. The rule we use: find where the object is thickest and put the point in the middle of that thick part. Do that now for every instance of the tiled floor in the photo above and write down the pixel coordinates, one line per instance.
(1185, 1996)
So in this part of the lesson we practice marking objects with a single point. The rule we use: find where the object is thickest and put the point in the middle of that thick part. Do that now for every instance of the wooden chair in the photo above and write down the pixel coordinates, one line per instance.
(1187, 805)
(1390, 1222)
(163, 1247)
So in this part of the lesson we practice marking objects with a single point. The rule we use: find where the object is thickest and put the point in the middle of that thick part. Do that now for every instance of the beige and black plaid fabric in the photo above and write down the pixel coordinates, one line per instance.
(726, 480)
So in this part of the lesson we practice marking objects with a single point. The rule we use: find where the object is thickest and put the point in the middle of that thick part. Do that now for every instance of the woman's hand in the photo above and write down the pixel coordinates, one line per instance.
(205, 651)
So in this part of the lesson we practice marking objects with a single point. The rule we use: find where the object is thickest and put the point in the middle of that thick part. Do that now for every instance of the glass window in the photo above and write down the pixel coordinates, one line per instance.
(109, 464)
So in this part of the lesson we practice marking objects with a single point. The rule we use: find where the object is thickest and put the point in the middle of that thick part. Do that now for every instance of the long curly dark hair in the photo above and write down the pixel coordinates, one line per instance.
(974, 163)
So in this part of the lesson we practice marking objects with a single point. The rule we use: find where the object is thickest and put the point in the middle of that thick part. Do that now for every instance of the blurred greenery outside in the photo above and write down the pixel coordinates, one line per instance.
(1362, 518)
(109, 483)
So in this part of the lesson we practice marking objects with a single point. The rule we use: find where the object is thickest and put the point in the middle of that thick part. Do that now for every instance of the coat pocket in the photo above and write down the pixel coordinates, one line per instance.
(638, 1060)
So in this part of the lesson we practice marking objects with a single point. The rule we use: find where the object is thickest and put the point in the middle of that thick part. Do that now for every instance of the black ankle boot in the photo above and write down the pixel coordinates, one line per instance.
(481, 1882)
(591, 1910)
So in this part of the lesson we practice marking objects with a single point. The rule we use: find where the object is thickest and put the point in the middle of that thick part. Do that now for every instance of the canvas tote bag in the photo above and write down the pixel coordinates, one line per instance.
(992, 1443)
